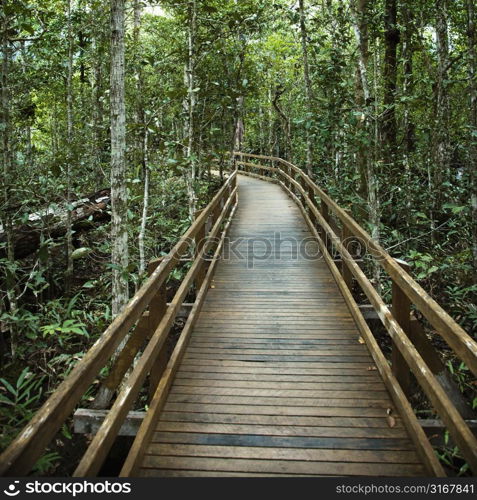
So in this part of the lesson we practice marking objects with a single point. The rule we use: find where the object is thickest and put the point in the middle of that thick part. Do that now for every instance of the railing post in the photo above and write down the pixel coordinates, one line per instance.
(311, 195)
(345, 271)
(302, 196)
(288, 181)
(199, 242)
(326, 216)
(157, 309)
(401, 310)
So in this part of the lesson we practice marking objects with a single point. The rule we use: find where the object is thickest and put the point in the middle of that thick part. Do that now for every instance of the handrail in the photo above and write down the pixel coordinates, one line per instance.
(445, 325)
(458, 339)
(28, 446)
(148, 426)
(104, 438)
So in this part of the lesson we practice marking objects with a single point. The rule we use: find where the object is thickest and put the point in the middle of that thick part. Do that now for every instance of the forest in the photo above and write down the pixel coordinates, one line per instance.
(119, 121)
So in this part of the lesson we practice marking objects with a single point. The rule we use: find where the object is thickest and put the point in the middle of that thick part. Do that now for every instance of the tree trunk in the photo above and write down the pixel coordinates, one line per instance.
(442, 146)
(238, 129)
(407, 92)
(98, 112)
(119, 233)
(26, 238)
(190, 106)
(408, 77)
(279, 91)
(271, 123)
(142, 136)
(359, 10)
(472, 36)
(389, 126)
(7, 182)
(71, 155)
(145, 206)
(308, 89)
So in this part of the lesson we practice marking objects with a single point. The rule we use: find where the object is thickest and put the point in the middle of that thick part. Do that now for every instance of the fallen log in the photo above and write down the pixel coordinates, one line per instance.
(51, 223)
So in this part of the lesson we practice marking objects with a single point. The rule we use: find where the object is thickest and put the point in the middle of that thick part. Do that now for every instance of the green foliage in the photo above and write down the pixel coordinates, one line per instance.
(18, 401)
(46, 463)
(65, 331)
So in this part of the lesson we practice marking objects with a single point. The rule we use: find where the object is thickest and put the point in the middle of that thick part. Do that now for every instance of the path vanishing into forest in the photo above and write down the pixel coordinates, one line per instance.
(275, 371)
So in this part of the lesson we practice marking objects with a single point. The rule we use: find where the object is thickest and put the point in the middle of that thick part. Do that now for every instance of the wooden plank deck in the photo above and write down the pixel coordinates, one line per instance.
(275, 380)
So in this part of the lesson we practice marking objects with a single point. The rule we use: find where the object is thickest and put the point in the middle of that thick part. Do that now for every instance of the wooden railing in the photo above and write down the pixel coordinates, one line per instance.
(129, 331)
(333, 227)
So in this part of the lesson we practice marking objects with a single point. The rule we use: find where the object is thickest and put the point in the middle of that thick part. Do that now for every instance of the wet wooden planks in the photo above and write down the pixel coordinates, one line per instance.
(275, 380)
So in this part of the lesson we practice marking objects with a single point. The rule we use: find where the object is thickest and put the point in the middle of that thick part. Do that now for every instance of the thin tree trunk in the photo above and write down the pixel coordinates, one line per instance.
(308, 89)
(145, 206)
(239, 126)
(142, 137)
(71, 155)
(407, 91)
(138, 134)
(408, 76)
(8, 173)
(271, 123)
(360, 31)
(29, 150)
(191, 103)
(389, 126)
(472, 36)
(237, 123)
(119, 233)
(98, 148)
(372, 174)
(442, 146)
(362, 88)
(279, 91)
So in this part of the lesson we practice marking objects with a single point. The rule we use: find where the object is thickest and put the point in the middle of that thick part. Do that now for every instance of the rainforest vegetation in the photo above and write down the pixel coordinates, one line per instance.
(118, 120)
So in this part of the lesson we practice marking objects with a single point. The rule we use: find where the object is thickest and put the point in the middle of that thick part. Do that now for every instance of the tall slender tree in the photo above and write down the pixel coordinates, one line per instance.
(8, 176)
(70, 147)
(359, 20)
(308, 87)
(442, 114)
(119, 207)
(189, 105)
(391, 41)
(472, 41)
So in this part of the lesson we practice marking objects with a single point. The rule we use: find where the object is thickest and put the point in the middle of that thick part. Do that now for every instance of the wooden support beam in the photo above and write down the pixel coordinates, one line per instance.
(436, 431)
(87, 421)
(199, 241)
(345, 271)
(157, 309)
(401, 310)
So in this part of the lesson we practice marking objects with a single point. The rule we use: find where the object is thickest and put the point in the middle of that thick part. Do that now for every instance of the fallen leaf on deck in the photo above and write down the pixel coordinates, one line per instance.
(361, 340)
(391, 421)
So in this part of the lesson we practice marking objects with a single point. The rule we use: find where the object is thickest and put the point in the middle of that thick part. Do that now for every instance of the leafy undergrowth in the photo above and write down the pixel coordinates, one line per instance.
(54, 329)
(449, 454)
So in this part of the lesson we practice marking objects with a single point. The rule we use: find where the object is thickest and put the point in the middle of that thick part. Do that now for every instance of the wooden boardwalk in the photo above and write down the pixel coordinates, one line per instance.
(275, 379)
